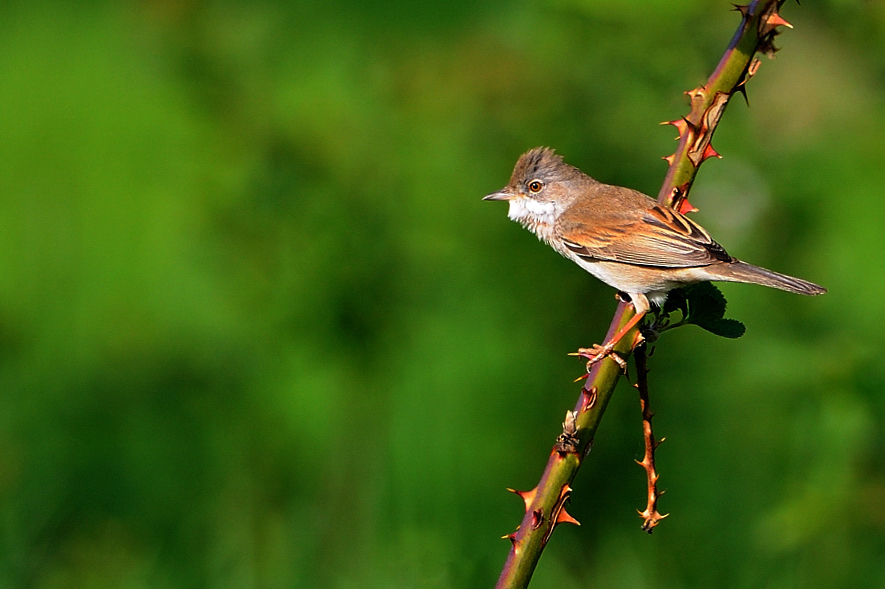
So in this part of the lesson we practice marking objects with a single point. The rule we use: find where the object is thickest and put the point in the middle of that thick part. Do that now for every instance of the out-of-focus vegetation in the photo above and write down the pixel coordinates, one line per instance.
(257, 328)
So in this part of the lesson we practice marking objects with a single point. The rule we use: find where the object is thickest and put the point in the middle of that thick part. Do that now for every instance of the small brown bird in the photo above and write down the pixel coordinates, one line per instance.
(623, 237)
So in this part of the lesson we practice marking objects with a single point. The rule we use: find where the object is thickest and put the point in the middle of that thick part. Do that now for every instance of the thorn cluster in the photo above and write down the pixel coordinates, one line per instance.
(651, 517)
(558, 514)
(696, 130)
(696, 139)
(528, 498)
(767, 27)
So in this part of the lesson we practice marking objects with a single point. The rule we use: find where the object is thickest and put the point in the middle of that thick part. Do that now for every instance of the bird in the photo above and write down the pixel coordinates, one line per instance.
(623, 237)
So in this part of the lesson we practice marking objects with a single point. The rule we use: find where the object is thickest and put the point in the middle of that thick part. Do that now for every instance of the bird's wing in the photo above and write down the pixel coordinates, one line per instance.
(659, 237)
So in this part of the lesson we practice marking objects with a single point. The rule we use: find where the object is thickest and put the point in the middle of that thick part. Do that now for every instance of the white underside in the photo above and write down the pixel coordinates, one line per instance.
(540, 218)
(537, 216)
(655, 290)
(542, 211)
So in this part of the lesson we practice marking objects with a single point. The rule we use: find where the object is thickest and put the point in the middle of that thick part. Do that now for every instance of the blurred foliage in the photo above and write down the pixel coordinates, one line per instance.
(257, 328)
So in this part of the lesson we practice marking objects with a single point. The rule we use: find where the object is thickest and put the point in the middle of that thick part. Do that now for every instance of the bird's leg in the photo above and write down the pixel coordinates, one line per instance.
(597, 352)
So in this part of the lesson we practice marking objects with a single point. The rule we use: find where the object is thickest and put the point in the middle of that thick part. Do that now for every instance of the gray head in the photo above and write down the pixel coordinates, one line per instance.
(540, 190)
(539, 175)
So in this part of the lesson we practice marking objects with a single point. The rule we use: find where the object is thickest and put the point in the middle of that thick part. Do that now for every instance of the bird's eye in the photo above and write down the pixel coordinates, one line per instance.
(535, 186)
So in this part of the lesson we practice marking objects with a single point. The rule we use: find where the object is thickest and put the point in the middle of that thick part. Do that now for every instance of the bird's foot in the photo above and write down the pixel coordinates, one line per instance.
(597, 353)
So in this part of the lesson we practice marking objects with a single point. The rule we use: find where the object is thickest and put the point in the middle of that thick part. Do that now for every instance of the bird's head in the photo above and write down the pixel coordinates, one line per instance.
(538, 190)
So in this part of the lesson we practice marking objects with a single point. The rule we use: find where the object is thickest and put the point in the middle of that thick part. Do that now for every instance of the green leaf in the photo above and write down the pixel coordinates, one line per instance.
(730, 328)
(704, 305)
(676, 301)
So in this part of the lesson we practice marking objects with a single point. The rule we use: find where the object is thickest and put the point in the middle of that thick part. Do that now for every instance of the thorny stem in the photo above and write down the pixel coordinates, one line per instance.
(545, 504)
(650, 517)
(759, 22)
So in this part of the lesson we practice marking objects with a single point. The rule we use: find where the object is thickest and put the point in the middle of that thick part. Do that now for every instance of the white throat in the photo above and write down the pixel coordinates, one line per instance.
(537, 216)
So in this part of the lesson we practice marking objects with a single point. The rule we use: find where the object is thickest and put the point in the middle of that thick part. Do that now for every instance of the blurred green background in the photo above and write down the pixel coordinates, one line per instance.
(257, 328)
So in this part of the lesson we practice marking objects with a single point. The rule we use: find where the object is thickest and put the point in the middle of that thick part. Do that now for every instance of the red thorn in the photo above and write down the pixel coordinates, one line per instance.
(775, 20)
(565, 518)
(681, 125)
(693, 94)
(537, 519)
(561, 515)
(710, 152)
(588, 398)
(526, 496)
(669, 159)
(686, 207)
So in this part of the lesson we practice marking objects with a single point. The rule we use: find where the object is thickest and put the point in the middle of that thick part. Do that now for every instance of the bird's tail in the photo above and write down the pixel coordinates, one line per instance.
(738, 271)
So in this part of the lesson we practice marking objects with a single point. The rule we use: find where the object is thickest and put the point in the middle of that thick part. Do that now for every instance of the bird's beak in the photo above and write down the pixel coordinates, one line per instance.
(500, 195)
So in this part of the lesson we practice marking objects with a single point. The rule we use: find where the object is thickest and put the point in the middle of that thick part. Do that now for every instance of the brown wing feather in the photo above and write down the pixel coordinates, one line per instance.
(661, 237)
